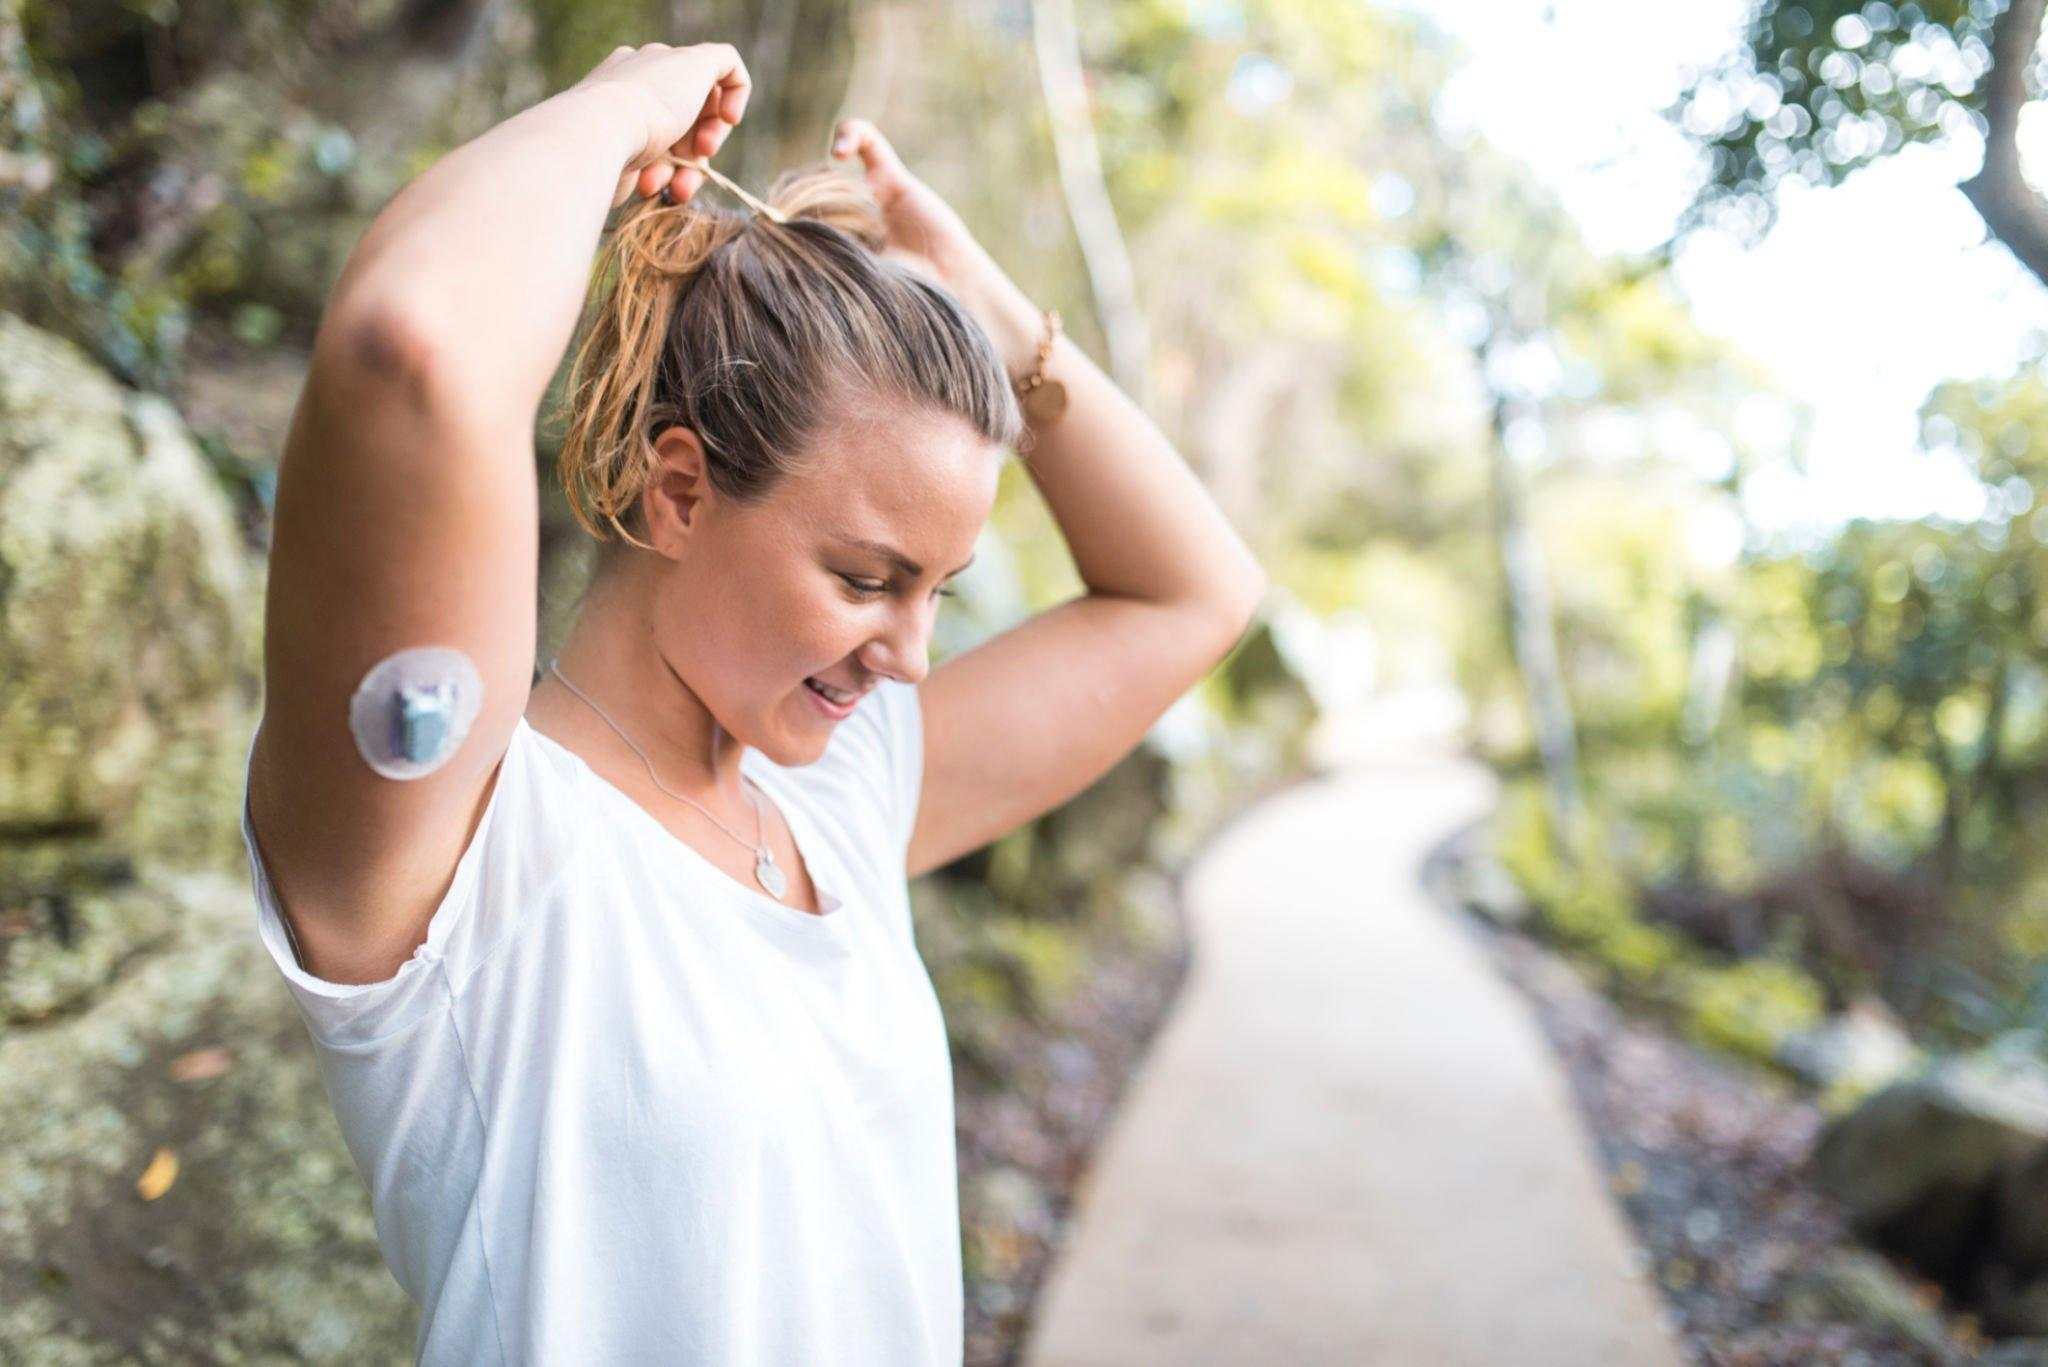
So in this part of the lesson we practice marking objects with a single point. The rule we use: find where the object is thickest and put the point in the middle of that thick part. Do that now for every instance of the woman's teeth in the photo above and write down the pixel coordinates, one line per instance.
(838, 695)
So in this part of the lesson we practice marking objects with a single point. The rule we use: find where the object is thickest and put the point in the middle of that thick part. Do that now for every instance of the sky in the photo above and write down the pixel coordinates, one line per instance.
(1576, 98)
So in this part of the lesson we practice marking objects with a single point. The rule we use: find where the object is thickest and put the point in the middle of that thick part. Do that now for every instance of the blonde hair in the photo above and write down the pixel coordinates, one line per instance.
(758, 333)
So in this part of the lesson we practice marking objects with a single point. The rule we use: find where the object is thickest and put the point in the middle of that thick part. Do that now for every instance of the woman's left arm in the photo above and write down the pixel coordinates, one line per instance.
(1140, 525)
(1029, 718)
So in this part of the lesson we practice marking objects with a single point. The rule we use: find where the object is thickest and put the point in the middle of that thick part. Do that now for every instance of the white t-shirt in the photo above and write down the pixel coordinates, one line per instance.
(619, 1108)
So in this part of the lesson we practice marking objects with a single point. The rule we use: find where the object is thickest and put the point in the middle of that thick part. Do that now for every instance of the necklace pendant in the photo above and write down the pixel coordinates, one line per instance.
(769, 875)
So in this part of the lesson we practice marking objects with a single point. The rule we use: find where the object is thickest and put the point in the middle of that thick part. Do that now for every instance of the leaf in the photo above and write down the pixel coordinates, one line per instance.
(156, 1179)
(199, 1064)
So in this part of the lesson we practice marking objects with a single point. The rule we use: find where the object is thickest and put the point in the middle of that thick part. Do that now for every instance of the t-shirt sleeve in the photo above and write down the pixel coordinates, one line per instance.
(872, 773)
(472, 918)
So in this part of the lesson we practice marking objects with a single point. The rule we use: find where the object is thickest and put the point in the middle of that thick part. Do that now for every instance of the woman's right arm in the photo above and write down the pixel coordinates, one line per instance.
(407, 505)
(486, 254)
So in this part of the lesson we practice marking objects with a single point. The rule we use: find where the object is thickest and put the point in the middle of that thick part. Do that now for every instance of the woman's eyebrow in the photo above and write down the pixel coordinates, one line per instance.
(898, 558)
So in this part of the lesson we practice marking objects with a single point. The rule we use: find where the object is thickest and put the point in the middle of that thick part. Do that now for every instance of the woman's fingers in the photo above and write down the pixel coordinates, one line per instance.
(720, 108)
(681, 182)
(726, 104)
(695, 96)
(709, 132)
(858, 137)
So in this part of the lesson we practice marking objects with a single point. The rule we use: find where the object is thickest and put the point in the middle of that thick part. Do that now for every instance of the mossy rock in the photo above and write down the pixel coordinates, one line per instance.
(129, 609)
(1268, 705)
(73, 945)
(238, 188)
(1861, 1288)
(1106, 829)
(253, 1241)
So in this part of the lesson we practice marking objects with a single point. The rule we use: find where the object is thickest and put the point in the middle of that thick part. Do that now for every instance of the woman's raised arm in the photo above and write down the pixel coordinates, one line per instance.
(407, 503)
(1030, 717)
(485, 256)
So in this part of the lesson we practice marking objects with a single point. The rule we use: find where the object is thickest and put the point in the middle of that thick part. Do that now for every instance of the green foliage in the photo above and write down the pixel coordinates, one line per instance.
(1259, 149)
(575, 35)
(1749, 1008)
(1859, 724)
(1586, 904)
(1821, 88)
(1590, 906)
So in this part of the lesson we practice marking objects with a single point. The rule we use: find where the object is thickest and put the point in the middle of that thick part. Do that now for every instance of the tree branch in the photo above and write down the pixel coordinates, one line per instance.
(2014, 213)
(1088, 206)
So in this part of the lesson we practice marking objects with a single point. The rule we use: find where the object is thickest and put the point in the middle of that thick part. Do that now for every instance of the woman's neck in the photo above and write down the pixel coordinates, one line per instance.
(612, 654)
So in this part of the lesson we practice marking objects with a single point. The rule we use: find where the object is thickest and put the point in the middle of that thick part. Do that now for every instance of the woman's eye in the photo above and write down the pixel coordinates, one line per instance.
(863, 587)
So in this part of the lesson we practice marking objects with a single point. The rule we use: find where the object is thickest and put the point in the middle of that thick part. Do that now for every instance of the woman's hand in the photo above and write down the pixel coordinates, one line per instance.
(690, 97)
(926, 234)
(923, 230)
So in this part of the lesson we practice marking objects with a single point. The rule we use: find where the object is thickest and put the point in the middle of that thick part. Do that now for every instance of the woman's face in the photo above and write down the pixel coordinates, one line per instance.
(759, 599)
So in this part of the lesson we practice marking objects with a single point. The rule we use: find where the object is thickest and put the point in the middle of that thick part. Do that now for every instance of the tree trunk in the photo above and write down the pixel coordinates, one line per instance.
(1087, 196)
(2011, 209)
(1533, 631)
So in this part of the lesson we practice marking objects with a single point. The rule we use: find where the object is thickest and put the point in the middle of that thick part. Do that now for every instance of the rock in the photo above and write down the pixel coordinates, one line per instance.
(1862, 1288)
(1104, 831)
(1484, 886)
(128, 612)
(2013, 1281)
(2010, 1307)
(267, 141)
(2020, 1235)
(89, 934)
(1858, 1050)
(262, 1245)
(1915, 1167)
(1270, 707)
(129, 627)
(2015, 1353)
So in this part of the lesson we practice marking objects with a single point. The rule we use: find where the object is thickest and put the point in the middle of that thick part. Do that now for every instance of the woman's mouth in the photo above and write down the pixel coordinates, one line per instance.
(837, 710)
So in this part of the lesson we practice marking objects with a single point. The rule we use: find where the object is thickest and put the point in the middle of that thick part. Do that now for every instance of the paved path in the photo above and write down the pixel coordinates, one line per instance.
(1350, 1143)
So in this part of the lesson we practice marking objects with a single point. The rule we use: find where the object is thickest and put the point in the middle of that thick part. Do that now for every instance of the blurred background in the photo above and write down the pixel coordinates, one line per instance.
(1647, 399)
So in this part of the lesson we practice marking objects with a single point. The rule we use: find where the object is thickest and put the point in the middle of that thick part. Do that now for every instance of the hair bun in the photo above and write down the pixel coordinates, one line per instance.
(822, 193)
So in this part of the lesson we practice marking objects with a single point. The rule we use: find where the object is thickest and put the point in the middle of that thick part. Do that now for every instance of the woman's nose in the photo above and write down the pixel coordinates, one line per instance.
(905, 653)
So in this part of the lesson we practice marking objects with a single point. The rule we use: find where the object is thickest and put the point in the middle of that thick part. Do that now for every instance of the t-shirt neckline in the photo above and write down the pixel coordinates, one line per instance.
(793, 815)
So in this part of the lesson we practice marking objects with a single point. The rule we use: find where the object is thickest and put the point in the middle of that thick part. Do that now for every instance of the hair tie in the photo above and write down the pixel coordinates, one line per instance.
(700, 164)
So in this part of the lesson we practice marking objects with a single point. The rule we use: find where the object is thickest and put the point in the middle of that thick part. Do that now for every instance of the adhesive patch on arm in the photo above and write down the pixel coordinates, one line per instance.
(411, 711)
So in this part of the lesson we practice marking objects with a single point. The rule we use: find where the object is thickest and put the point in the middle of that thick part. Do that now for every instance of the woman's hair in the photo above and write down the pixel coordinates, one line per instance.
(759, 336)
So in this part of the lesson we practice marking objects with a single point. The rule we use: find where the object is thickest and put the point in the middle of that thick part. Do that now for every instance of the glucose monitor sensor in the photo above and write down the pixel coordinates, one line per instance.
(411, 711)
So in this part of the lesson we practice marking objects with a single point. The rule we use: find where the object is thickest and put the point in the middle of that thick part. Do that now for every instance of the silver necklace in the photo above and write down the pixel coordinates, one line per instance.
(766, 872)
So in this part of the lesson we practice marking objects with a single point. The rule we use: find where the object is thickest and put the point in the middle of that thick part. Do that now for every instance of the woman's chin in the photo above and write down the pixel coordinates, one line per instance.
(803, 740)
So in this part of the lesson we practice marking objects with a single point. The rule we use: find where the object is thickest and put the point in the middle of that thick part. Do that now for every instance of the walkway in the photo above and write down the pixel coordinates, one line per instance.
(1349, 1143)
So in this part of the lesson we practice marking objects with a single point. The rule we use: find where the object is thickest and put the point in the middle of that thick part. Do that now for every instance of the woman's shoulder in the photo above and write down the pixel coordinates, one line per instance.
(547, 804)
(527, 841)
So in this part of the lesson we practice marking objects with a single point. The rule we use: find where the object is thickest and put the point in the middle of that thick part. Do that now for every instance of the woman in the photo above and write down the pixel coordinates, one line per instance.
(611, 976)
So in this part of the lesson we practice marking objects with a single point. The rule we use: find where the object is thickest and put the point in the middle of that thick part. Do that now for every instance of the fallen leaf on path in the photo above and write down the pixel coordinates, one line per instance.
(200, 1064)
(156, 1179)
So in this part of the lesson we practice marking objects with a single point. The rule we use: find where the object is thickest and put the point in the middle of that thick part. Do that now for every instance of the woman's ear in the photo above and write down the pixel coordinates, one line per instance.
(675, 498)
